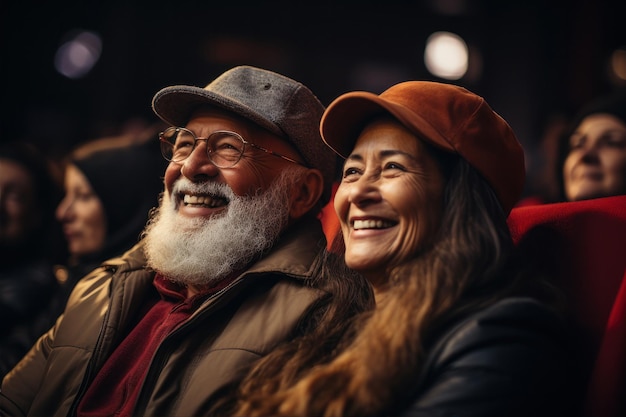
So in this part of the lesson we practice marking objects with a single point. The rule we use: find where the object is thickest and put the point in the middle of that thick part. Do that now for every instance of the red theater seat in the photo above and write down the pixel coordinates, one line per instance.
(583, 245)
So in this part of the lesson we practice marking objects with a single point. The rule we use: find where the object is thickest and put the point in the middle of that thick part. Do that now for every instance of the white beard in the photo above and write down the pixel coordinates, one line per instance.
(202, 251)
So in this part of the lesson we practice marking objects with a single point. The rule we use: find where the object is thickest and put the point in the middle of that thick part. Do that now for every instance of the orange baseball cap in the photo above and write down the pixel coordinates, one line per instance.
(449, 117)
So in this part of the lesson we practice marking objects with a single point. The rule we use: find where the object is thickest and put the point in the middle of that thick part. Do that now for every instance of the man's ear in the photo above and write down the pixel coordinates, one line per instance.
(306, 193)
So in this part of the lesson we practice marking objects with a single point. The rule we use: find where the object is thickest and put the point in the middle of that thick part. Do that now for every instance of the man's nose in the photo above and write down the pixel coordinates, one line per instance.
(198, 164)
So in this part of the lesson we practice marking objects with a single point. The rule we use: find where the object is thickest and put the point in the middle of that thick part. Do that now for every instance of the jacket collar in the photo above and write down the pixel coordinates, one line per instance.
(296, 253)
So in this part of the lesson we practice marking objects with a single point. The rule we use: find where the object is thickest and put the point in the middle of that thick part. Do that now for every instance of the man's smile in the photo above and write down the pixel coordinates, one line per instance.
(194, 200)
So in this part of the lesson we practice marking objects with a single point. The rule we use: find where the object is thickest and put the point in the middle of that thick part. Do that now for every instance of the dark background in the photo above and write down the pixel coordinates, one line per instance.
(538, 61)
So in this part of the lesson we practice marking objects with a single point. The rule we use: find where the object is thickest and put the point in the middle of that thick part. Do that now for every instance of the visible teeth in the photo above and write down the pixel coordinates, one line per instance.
(371, 224)
(203, 200)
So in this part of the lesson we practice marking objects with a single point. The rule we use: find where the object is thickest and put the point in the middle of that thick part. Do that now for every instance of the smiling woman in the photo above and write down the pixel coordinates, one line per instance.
(431, 173)
(390, 197)
(593, 152)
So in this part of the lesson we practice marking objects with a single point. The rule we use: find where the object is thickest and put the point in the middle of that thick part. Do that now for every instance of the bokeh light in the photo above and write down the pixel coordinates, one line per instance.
(76, 57)
(446, 55)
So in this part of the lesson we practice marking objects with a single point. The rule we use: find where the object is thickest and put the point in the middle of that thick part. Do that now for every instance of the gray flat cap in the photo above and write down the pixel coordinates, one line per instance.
(277, 103)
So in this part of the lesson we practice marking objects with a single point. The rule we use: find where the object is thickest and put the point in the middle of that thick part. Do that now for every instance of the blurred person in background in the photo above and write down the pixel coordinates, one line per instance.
(111, 185)
(30, 244)
(592, 153)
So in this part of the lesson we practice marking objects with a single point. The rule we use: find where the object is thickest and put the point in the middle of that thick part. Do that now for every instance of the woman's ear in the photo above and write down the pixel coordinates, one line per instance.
(306, 193)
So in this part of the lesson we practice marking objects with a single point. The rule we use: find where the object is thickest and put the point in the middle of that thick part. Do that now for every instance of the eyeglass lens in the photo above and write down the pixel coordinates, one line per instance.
(224, 148)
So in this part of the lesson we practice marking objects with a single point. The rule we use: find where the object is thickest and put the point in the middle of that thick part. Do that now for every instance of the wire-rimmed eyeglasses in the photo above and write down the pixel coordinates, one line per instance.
(224, 148)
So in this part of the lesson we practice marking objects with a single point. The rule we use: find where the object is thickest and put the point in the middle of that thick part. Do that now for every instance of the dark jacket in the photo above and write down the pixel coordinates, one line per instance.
(25, 296)
(232, 328)
(507, 360)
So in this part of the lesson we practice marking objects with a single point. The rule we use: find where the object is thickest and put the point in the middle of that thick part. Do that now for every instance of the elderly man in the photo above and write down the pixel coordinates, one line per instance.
(225, 272)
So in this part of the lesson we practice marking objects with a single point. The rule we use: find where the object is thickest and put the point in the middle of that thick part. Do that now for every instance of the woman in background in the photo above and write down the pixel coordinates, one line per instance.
(592, 157)
(31, 244)
(110, 188)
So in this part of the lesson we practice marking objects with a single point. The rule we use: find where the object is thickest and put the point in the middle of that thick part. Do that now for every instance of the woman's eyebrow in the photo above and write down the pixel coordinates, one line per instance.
(383, 153)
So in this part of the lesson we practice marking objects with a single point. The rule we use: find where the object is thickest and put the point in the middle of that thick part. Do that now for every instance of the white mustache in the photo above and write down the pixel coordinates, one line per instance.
(185, 186)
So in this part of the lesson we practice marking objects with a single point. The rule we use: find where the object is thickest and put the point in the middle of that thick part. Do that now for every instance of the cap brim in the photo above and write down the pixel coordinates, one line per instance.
(174, 105)
(347, 115)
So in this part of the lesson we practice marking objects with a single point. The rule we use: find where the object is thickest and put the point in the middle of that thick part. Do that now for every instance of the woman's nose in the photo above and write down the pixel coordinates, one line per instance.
(590, 153)
(365, 190)
(63, 209)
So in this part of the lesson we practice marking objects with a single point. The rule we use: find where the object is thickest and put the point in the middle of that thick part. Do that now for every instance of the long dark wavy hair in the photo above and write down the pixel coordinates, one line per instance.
(366, 364)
